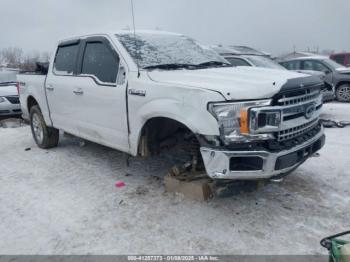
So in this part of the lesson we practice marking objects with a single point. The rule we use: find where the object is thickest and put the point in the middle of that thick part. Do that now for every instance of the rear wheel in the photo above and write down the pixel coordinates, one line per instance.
(44, 136)
(343, 93)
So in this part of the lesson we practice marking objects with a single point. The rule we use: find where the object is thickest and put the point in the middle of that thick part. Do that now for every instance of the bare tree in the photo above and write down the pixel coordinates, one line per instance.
(327, 52)
(12, 56)
(2, 60)
(29, 61)
(45, 57)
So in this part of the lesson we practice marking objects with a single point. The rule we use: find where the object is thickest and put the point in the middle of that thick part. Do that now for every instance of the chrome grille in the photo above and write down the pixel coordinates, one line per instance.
(296, 131)
(299, 114)
(306, 97)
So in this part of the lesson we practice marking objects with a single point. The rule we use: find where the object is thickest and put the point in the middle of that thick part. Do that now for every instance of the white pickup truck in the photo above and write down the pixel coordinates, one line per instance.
(148, 91)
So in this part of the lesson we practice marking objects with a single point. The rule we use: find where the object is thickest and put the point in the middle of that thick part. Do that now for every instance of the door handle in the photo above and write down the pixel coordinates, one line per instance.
(50, 87)
(78, 91)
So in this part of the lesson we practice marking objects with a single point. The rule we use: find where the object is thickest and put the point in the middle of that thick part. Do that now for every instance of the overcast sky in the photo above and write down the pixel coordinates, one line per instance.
(271, 25)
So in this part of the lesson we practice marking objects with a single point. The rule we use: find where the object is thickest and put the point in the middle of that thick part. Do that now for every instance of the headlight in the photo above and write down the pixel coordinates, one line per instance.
(2, 100)
(233, 119)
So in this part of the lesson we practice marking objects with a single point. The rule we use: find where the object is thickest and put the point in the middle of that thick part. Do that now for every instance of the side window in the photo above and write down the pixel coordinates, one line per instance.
(285, 64)
(100, 61)
(308, 65)
(348, 61)
(314, 66)
(237, 61)
(339, 59)
(291, 65)
(320, 67)
(65, 60)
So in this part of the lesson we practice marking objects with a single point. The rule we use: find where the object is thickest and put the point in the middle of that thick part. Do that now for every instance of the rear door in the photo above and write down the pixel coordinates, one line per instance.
(59, 86)
(99, 92)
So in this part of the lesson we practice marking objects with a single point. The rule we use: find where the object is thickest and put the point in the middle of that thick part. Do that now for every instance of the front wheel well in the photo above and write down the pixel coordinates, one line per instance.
(164, 133)
(342, 83)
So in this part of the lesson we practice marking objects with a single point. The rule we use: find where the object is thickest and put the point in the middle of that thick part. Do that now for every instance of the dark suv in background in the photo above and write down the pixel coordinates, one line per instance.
(336, 75)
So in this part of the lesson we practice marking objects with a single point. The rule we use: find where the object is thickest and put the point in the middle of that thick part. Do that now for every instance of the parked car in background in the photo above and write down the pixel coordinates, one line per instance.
(294, 55)
(336, 75)
(9, 99)
(147, 91)
(244, 56)
(341, 58)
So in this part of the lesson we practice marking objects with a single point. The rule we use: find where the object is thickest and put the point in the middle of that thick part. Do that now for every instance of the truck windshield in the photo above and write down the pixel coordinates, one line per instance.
(169, 51)
(261, 61)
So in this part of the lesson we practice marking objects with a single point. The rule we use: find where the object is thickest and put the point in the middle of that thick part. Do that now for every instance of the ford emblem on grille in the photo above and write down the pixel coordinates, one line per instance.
(310, 110)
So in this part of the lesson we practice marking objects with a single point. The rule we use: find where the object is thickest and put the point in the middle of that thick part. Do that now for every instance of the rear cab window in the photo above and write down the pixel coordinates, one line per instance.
(66, 58)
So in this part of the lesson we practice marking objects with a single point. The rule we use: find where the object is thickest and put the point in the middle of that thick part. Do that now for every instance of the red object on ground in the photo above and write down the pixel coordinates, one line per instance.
(120, 184)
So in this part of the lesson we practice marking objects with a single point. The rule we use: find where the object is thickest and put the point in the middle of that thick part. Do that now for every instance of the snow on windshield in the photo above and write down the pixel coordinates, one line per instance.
(159, 49)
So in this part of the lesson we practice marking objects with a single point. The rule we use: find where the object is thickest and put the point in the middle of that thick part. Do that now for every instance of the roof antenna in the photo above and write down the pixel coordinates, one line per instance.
(134, 27)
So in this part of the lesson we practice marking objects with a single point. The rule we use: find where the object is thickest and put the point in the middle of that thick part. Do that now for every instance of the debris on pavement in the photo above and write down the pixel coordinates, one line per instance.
(142, 190)
(327, 123)
(195, 190)
(120, 184)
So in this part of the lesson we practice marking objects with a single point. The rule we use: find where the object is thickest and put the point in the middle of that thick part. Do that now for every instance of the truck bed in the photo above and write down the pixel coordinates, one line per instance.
(32, 85)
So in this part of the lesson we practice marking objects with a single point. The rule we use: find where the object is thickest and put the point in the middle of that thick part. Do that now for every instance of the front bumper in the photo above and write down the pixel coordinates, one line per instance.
(266, 165)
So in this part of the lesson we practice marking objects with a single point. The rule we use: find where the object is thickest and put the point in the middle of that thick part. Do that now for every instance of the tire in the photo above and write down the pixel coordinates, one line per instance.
(343, 93)
(45, 137)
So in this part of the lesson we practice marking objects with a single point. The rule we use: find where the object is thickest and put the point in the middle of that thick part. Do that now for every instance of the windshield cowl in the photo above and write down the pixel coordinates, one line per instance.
(205, 65)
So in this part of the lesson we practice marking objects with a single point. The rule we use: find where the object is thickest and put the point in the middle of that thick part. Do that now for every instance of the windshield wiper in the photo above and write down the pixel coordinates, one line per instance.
(169, 66)
(189, 66)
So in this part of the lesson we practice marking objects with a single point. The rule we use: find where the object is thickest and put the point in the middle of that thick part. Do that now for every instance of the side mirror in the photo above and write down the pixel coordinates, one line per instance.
(121, 76)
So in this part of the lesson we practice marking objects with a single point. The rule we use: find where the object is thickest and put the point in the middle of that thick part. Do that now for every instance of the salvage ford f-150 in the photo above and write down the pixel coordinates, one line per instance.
(146, 91)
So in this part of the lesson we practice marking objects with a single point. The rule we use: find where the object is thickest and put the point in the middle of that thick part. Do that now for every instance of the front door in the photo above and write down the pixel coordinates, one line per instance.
(99, 99)
(314, 65)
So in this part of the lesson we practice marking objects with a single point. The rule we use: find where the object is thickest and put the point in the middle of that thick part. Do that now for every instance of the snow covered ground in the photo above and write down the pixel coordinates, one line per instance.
(64, 201)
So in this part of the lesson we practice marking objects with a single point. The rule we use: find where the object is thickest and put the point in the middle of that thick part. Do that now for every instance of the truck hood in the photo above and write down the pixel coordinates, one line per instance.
(234, 83)
(8, 90)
